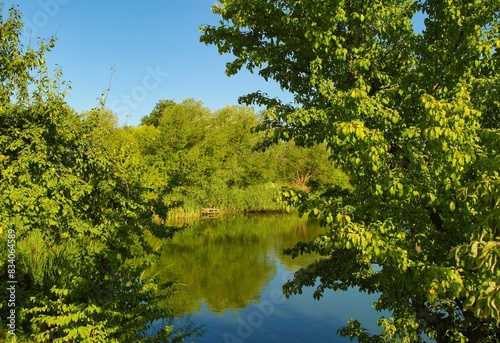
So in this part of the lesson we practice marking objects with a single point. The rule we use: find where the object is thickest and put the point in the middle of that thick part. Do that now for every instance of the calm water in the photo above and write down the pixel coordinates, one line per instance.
(231, 271)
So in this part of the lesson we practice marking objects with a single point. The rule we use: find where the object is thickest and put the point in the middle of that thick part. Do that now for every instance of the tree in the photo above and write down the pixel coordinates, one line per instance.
(74, 218)
(229, 143)
(154, 117)
(412, 118)
(205, 158)
(181, 128)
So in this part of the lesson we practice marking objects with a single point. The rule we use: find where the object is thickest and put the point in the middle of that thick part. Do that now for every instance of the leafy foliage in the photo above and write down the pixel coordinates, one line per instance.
(212, 159)
(412, 119)
(81, 215)
(308, 168)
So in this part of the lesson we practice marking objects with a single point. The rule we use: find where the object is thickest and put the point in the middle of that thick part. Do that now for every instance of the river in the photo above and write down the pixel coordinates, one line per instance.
(230, 271)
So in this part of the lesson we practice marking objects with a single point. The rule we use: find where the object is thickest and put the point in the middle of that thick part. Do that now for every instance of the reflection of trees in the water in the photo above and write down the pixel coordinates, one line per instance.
(302, 231)
(226, 262)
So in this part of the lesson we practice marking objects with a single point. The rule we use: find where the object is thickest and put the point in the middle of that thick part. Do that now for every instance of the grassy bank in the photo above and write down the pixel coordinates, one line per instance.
(258, 198)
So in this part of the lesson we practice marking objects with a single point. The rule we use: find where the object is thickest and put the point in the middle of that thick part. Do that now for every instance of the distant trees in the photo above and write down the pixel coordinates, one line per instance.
(306, 167)
(212, 158)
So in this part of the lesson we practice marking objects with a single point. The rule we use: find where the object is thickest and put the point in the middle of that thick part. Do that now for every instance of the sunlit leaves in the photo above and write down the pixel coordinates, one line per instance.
(412, 118)
(81, 214)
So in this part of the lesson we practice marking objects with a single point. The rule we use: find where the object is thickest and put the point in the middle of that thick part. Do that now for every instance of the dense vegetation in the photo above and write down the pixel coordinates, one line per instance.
(206, 159)
(412, 117)
(82, 200)
(74, 218)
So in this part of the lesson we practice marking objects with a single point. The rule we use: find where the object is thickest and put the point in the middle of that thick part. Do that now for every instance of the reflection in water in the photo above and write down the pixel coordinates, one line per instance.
(224, 263)
(231, 272)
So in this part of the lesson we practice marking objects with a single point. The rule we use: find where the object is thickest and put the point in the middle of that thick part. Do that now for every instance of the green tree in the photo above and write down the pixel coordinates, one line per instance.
(154, 117)
(78, 215)
(230, 143)
(206, 159)
(181, 129)
(412, 118)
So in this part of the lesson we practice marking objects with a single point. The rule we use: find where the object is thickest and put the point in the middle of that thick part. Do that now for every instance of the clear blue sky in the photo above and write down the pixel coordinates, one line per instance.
(153, 45)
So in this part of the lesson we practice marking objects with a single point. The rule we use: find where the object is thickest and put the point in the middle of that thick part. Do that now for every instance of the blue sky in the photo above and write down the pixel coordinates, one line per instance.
(153, 46)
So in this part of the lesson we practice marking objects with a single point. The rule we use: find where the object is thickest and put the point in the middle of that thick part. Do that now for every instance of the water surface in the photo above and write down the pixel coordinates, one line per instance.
(231, 271)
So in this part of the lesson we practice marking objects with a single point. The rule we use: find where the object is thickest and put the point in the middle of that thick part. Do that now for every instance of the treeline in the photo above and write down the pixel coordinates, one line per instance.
(211, 159)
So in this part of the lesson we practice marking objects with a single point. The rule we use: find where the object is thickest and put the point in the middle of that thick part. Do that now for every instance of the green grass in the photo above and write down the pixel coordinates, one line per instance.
(257, 198)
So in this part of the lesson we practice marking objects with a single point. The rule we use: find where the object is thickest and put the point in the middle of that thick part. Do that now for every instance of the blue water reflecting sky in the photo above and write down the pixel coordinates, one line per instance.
(298, 319)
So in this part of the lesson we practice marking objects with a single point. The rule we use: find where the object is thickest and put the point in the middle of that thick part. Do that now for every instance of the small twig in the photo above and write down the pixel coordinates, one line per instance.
(57, 31)
(105, 94)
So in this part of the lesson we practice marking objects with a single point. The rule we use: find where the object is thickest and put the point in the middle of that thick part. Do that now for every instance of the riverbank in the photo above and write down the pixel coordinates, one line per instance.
(254, 199)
